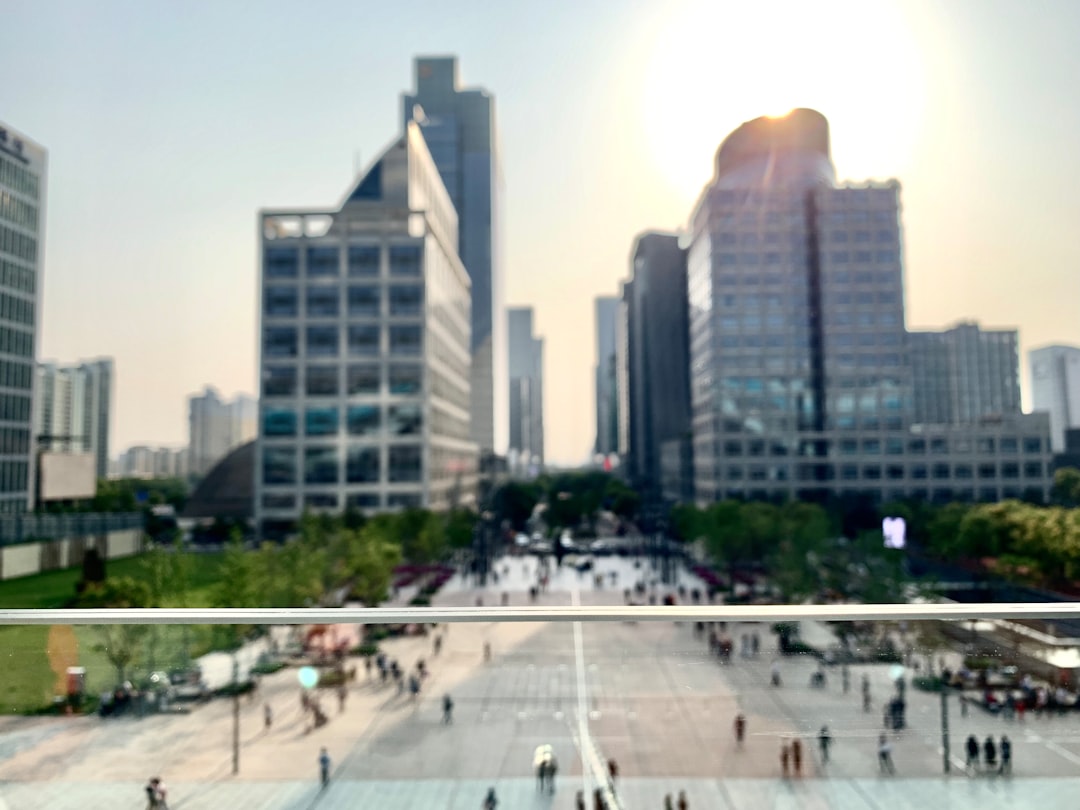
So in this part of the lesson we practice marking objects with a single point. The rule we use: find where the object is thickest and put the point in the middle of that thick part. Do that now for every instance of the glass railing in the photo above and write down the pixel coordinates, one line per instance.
(587, 689)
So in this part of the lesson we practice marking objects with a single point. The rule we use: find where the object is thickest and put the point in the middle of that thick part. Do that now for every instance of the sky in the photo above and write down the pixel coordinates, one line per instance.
(169, 125)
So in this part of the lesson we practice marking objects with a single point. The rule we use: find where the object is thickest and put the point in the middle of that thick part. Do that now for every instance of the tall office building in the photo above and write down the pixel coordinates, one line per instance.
(526, 453)
(1055, 388)
(801, 379)
(210, 434)
(607, 407)
(657, 361)
(22, 227)
(964, 373)
(365, 349)
(73, 408)
(459, 129)
(243, 420)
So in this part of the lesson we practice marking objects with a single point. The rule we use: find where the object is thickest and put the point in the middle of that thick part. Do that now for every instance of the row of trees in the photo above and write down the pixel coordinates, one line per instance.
(572, 499)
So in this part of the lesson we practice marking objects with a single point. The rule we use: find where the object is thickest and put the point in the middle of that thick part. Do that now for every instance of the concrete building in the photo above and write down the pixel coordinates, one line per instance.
(526, 453)
(22, 226)
(964, 373)
(459, 129)
(1055, 388)
(656, 367)
(364, 353)
(607, 404)
(142, 461)
(217, 426)
(73, 409)
(801, 377)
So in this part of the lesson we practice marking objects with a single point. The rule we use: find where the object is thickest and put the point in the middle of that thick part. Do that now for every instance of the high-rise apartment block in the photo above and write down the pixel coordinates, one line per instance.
(607, 406)
(459, 130)
(22, 226)
(964, 373)
(216, 426)
(73, 408)
(365, 351)
(526, 453)
(1055, 388)
(655, 358)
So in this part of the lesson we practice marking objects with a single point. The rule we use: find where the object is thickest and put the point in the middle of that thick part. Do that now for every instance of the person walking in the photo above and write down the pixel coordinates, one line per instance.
(490, 802)
(613, 771)
(579, 800)
(796, 756)
(324, 767)
(598, 799)
(885, 755)
(775, 673)
(990, 753)
(447, 710)
(683, 803)
(669, 804)
(1006, 754)
(866, 693)
(487, 652)
(824, 741)
(268, 717)
(740, 729)
(785, 758)
(971, 747)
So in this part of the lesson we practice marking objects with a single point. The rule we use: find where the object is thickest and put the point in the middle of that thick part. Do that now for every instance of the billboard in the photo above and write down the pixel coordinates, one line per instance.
(67, 476)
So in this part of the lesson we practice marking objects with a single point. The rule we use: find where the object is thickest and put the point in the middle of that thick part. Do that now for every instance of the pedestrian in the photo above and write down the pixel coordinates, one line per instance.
(414, 687)
(971, 747)
(487, 651)
(775, 673)
(613, 770)
(367, 666)
(437, 645)
(324, 767)
(755, 644)
(740, 728)
(490, 802)
(155, 794)
(824, 740)
(866, 693)
(447, 710)
(785, 758)
(552, 770)
(161, 794)
(990, 753)
(668, 803)
(884, 753)
(268, 716)
(845, 677)
(1006, 754)
(579, 800)
(342, 696)
(796, 756)
(683, 803)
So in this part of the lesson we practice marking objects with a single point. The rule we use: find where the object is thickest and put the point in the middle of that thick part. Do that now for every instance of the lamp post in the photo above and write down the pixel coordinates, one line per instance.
(944, 728)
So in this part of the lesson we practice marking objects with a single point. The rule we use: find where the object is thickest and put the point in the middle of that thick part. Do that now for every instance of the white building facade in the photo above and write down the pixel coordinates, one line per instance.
(73, 409)
(1055, 388)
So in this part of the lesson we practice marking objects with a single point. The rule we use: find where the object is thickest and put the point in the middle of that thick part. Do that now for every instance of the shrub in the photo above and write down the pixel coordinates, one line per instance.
(267, 667)
(420, 601)
(366, 650)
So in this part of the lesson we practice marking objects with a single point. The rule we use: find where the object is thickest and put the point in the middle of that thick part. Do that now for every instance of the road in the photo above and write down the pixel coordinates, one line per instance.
(647, 695)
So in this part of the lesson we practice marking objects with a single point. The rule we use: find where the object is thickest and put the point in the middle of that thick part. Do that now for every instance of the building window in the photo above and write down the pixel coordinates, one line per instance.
(849, 472)
(871, 447)
(1033, 445)
(405, 464)
(322, 261)
(733, 448)
(322, 341)
(941, 471)
(363, 379)
(321, 500)
(281, 341)
(281, 302)
(406, 299)
(404, 420)
(363, 260)
(735, 473)
(963, 472)
(987, 471)
(322, 301)
(364, 341)
(939, 446)
(1010, 469)
(275, 500)
(279, 465)
(894, 447)
(849, 447)
(362, 465)
(322, 381)
(281, 262)
(872, 473)
(320, 465)
(404, 260)
(321, 422)
(363, 500)
(405, 340)
(364, 300)
(1033, 469)
(279, 422)
(279, 381)
(403, 500)
(405, 378)
(1009, 444)
(918, 472)
(894, 472)
(985, 444)
(363, 420)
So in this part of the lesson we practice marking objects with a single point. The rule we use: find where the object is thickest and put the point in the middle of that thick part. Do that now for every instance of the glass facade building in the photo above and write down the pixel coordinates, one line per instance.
(1055, 388)
(459, 129)
(607, 408)
(365, 349)
(526, 453)
(22, 227)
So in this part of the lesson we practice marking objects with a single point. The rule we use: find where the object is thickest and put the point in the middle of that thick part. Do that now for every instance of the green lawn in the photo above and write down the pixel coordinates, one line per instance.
(27, 681)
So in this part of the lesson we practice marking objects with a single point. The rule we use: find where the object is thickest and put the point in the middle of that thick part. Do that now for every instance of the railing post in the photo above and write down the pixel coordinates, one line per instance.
(944, 727)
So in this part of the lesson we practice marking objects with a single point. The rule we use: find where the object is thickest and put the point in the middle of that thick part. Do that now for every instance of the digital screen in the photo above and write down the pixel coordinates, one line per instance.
(895, 531)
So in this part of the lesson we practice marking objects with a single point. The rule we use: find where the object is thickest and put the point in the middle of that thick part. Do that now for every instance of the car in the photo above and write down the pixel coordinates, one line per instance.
(599, 547)
(540, 547)
(521, 541)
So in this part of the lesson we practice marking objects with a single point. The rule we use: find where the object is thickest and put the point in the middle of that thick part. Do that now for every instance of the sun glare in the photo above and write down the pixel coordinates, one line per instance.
(717, 64)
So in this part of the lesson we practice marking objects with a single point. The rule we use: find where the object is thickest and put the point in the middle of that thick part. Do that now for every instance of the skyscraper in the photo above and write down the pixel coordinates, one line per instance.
(657, 362)
(1055, 388)
(607, 408)
(459, 129)
(964, 373)
(365, 349)
(73, 408)
(526, 453)
(22, 225)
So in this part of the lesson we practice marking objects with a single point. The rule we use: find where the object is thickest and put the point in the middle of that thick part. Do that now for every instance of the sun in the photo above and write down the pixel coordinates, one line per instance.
(714, 65)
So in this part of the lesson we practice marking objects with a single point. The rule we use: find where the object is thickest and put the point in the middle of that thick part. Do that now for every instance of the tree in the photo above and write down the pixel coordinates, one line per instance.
(515, 501)
(460, 524)
(1066, 491)
(122, 644)
(372, 557)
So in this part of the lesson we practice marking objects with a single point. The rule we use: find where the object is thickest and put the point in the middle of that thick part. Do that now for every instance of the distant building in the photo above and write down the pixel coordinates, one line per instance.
(365, 349)
(22, 222)
(964, 373)
(216, 426)
(73, 409)
(1055, 388)
(142, 461)
(607, 402)
(459, 129)
(526, 453)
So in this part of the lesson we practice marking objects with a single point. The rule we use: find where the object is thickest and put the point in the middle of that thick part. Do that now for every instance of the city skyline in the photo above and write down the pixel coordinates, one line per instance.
(160, 151)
